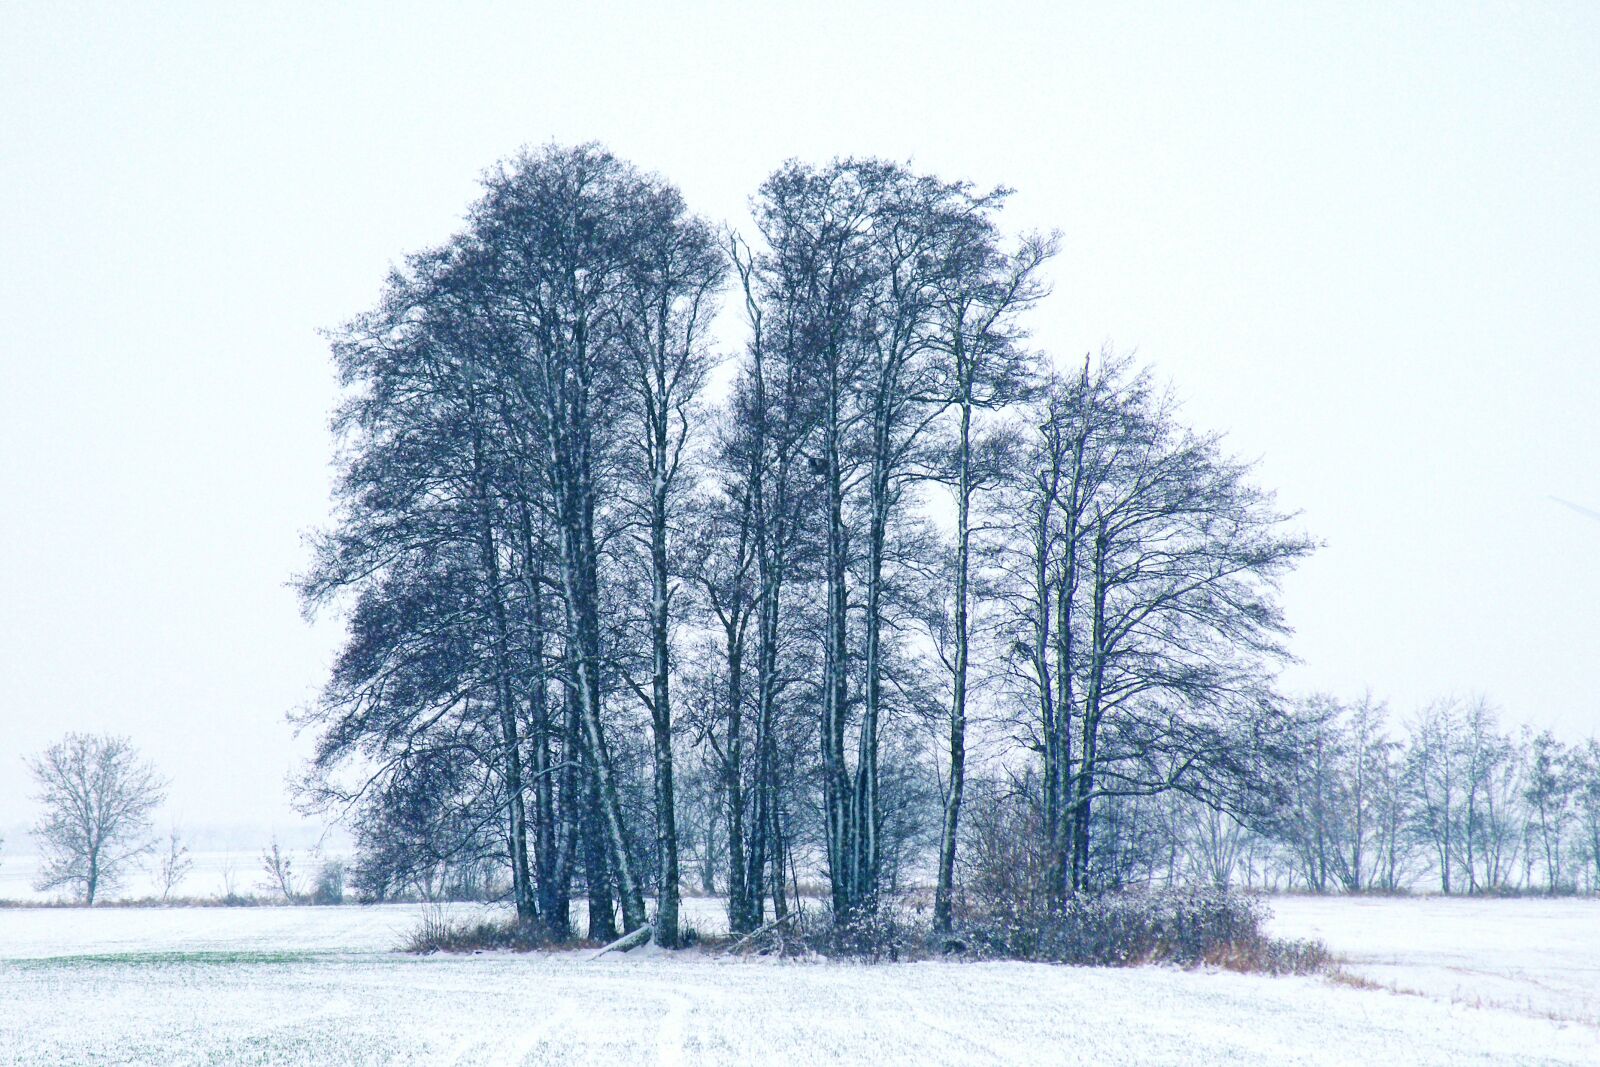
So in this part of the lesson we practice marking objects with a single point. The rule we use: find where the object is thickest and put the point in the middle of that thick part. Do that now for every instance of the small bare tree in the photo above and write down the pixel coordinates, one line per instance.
(280, 872)
(230, 879)
(175, 864)
(97, 796)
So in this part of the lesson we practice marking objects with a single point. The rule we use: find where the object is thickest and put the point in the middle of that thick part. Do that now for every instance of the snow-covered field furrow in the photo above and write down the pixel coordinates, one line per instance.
(562, 1009)
(321, 986)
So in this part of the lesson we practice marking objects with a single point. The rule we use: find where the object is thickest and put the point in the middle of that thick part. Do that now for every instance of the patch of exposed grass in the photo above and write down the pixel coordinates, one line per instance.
(1339, 976)
(228, 958)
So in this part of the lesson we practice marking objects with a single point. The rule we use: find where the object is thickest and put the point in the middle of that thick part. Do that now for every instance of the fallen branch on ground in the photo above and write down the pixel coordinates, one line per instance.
(627, 941)
(752, 935)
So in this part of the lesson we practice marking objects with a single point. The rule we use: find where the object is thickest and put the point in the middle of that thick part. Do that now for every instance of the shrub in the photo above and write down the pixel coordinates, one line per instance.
(437, 932)
(1187, 928)
(328, 887)
(885, 935)
(1006, 910)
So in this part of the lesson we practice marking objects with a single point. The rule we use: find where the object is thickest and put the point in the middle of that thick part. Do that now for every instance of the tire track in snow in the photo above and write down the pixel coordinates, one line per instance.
(670, 1032)
(512, 1050)
(915, 1009)
(692, 991)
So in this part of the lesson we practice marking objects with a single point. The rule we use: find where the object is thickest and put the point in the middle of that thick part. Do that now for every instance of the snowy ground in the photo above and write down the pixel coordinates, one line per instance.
(1539, 957)
(320, 986)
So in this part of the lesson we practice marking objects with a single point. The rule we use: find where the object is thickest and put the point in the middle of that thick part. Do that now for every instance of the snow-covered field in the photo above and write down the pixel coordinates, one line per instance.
(321, 986)
(1539, 957)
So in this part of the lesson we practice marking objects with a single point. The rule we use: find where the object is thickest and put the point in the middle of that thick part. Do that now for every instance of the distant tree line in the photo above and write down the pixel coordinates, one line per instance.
(1445, 801)
(632, 605)
(97, 795)
(1452, 800)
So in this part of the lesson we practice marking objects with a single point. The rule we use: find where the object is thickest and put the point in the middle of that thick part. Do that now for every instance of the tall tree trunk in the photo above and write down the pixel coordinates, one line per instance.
(1055, 793)
(596, 866)
(511, 767)
(660, 463)
(1065, 833)
(1082, 805)
(570, 815)
(867, 867)
(772, 531)
(666, 925)
(958, 695)
(739, 921)
(565, 395)
(581, 586)
(780, 862)
(837, 798)
(1065, 590)
(549, 861)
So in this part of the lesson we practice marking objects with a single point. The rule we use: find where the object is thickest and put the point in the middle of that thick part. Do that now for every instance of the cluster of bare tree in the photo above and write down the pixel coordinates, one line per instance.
(1450, 800)
(605, 620)
(1455, 798)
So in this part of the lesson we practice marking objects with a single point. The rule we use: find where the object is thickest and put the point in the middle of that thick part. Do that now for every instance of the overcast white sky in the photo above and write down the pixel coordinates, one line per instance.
(1363, 241)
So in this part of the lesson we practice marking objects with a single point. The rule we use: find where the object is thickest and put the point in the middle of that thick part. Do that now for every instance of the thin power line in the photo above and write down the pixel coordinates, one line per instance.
(1579, 508)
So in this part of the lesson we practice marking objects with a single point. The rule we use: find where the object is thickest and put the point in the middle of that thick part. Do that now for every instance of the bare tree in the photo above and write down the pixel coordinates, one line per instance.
(535, 526)
(1213, 841)
(1317, 817)
(1493, 765)
(1339, 821)
(1586, 794)
(174, 864)
(559, 231)
(1549, 794)
(1438, 784)
(1385, 783)
(1148, 627)
(97, 796)
(279, 870)
(666, 303)
(979, 298)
